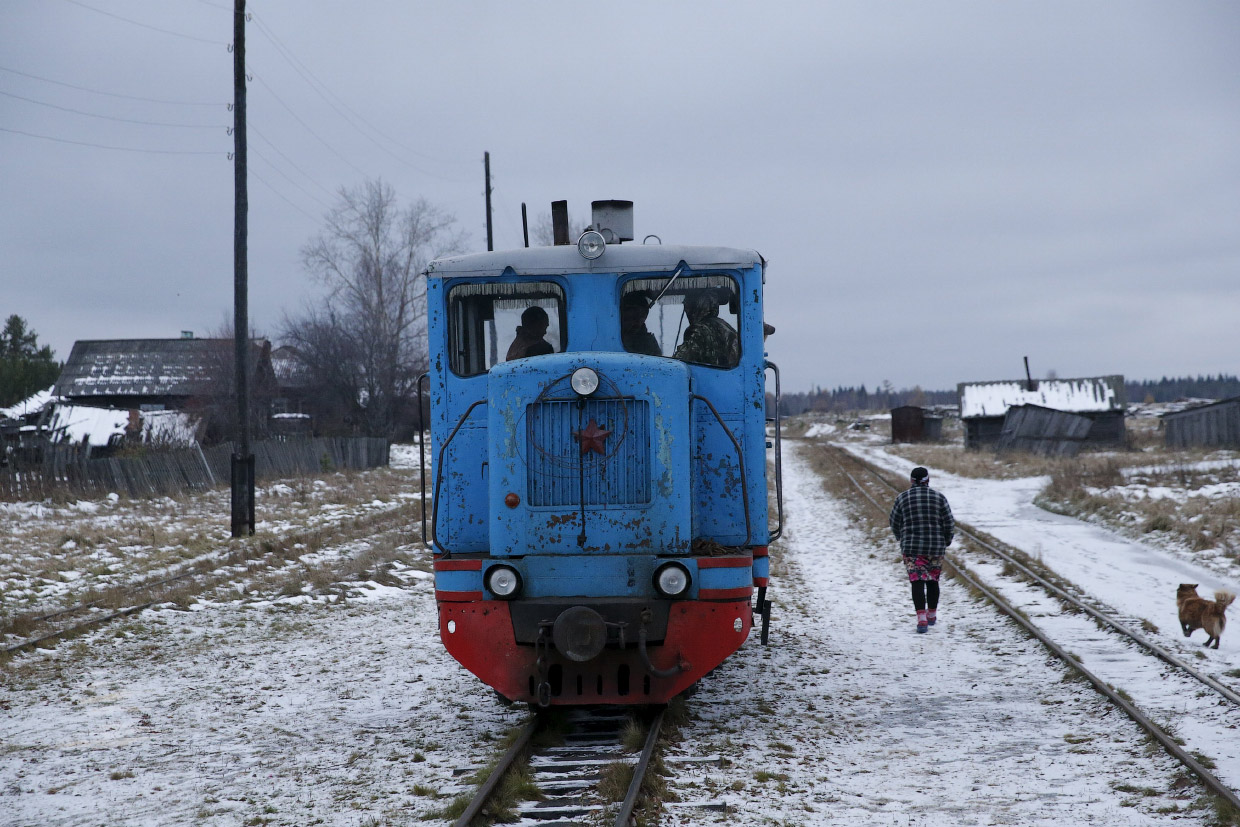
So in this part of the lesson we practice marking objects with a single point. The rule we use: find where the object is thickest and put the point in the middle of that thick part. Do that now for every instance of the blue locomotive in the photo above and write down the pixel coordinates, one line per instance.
(599, 518)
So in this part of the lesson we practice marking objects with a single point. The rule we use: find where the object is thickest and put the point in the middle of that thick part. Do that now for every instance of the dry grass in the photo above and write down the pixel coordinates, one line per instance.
(1112, 488)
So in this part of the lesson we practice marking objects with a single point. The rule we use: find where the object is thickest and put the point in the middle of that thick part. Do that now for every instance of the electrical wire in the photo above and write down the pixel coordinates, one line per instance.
(350, 115)
(252, 128)
(109, 117)
(306, 126)
(117, 148)
(109, 94)
(146, 25)
(280, 195)
(286, 177)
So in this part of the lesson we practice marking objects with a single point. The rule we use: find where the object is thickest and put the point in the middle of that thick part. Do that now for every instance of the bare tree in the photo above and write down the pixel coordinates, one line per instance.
(366, 341)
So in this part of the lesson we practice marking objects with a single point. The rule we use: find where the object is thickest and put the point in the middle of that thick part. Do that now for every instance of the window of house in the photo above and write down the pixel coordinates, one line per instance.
(697, 319)
(493, 323)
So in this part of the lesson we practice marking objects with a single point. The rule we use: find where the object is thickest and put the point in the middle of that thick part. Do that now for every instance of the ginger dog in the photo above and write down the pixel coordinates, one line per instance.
(1199, 613)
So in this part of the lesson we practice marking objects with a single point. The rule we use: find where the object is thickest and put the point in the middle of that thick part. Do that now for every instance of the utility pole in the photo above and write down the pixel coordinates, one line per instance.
(242, 459)
(486, 165)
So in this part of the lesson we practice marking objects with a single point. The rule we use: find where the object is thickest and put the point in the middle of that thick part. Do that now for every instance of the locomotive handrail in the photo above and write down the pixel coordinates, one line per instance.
(739, 458)
(422, 456)
(439, 477)
(779, 469)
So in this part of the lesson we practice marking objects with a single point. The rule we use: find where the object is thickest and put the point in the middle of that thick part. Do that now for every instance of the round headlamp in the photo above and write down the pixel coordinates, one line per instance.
(503, 581)
(672, 580)
(591, 245)
(584, 381)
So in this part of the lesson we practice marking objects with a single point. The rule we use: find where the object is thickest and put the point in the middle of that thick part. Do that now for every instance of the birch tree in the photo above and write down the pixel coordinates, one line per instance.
(366, 340)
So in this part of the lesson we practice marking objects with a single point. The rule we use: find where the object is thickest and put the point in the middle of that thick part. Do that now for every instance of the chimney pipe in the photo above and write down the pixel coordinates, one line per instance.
(559, 222)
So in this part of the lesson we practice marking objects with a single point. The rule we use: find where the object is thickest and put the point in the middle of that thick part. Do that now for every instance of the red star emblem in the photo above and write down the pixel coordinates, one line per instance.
(591, 437)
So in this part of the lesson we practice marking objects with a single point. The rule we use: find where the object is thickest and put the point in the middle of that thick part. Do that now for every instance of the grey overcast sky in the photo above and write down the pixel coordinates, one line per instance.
(941, 188)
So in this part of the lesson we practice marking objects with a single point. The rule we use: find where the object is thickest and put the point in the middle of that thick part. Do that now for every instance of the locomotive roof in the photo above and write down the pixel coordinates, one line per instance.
(564, 259)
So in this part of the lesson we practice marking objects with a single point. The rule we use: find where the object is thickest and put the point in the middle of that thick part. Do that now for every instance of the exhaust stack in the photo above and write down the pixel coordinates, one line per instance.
(614, 219)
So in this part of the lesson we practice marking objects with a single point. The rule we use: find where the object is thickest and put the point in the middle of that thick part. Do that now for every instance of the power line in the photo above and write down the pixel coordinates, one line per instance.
(109, 94)
(147, 25)
(281, 195)
(117, 148)
(291, 163)
(286, 177)
(343, 109)
(110, 117)
(330, 148)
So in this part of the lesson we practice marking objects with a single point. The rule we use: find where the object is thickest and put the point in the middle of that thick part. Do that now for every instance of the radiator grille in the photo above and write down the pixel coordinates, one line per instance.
(619, 476)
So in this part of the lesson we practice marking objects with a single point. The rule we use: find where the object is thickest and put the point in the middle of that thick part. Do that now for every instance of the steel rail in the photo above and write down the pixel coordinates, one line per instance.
(625, 816)
(199, 569)
(505, 763)
(1216, 786)
(1128, 632)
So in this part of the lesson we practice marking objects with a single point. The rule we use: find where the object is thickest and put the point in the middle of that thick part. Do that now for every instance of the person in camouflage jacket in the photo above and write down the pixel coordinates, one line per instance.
(709, 340)
(922, 521)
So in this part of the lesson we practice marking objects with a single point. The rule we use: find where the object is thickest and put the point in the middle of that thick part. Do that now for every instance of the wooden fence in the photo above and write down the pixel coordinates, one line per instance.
(68, 470)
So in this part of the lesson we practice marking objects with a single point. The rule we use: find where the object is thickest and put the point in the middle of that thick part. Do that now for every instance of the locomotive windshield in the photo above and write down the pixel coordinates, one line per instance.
(493, 323)
(696, 320)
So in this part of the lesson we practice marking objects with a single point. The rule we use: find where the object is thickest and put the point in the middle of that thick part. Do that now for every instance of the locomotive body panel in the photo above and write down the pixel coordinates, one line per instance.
(632, 513)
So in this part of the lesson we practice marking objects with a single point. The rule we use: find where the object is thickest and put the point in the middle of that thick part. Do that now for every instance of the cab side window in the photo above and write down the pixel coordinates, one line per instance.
(493, 323)
(695, 320)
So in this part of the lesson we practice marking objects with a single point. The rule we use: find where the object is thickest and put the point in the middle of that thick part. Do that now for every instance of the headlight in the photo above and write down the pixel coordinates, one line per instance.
(503, 581)
(584, 381)
(591, 245)
(672, 580)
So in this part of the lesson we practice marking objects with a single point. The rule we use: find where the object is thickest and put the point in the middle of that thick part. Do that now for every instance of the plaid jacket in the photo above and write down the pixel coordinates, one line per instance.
(922, 522)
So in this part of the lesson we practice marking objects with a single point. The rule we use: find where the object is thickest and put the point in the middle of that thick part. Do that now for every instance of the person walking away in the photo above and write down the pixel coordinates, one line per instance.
(922, 521)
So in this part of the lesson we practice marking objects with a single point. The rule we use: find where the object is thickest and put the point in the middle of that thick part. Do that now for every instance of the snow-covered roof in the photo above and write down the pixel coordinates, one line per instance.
(98, 425)
(32, 404)
(565, 260)
(95, 425)
(1090, 395)
(148, 367)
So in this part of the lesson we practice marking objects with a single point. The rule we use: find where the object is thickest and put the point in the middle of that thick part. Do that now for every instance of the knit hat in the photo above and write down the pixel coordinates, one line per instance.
(920, 475)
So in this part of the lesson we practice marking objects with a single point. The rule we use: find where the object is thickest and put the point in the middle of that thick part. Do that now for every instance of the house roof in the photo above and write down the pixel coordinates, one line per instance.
(148, 367)
(1087, 395)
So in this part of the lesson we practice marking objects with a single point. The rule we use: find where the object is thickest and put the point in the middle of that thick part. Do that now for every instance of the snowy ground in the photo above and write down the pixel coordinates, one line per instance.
(849, 717)
(312, 709)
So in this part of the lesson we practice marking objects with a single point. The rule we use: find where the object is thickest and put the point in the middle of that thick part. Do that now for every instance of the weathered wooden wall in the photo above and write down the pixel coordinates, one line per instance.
(1216, 425)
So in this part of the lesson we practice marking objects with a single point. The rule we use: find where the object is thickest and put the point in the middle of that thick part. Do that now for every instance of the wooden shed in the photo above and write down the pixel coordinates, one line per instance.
(1043, 431)
(910, 423)
(1208, 426)
(1102, 400)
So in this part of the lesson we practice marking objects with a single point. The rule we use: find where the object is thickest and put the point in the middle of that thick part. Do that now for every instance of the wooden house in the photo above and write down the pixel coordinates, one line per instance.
(169, 374)
(1101, 399)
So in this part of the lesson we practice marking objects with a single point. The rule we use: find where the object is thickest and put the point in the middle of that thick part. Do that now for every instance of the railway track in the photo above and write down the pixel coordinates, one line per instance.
(200, 576)
(568, 775)
(1059, 592)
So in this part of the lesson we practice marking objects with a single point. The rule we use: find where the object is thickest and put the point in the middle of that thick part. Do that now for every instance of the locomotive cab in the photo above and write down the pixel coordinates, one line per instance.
(599, 512)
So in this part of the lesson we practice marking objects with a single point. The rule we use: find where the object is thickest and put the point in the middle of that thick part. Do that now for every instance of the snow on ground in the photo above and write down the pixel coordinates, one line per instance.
(849, 717)
(298, 710)
(1135, 578)
(291, 712)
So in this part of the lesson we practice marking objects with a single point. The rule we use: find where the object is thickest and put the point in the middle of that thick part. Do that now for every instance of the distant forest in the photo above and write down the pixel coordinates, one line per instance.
(884, 396)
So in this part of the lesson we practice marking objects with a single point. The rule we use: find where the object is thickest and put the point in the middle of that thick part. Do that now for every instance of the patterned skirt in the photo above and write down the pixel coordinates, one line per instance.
(923, 567)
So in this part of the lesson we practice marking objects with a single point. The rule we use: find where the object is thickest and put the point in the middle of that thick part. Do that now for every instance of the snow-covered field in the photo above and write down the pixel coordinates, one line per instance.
(849, 717)
(339, 707)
